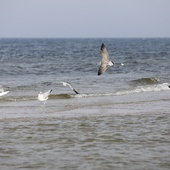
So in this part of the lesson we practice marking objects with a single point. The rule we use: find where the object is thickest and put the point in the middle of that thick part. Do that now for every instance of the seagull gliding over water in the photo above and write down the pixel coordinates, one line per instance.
(67, 84)
(2, 92)
(105, 63)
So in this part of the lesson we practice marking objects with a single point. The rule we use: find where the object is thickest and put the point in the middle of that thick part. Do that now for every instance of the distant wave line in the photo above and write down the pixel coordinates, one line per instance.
(138, 89)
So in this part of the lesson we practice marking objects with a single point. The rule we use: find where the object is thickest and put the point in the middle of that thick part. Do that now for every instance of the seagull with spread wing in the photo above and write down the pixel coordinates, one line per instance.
(105, 63)
(71, 87)
(2, 92)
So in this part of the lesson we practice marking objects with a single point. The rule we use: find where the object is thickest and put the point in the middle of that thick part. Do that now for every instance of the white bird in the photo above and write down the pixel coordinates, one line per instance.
(67, 84)
(2, 92)
(105, 63)
(43, 97)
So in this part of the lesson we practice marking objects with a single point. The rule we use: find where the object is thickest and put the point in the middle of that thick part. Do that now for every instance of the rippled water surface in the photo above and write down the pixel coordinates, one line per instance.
(120, 120)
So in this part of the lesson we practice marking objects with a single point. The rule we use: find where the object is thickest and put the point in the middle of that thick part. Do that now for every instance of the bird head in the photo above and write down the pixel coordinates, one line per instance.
(111, 63)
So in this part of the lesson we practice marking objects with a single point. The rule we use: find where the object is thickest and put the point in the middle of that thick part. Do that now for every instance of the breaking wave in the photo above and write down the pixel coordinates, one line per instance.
(138, 89)
(145, 81)
(147, 88)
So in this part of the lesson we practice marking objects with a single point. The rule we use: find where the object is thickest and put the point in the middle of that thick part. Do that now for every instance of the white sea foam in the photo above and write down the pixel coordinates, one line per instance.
(139, 89)
(147, 88)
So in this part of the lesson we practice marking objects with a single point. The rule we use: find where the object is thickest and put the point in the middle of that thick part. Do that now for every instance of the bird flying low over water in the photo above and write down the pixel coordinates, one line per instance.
(105, 62)
(67, 84)
(44, 96)
(2, 92)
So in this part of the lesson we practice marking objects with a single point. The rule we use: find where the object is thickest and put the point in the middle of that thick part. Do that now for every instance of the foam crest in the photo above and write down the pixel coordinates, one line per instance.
(148, 88)
(146, 81)
(139, 89)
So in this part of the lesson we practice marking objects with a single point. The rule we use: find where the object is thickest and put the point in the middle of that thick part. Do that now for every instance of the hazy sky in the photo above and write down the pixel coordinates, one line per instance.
(84, 18)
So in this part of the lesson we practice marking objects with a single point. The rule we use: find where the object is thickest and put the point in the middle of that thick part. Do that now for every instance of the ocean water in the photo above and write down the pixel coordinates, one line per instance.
(120, 119)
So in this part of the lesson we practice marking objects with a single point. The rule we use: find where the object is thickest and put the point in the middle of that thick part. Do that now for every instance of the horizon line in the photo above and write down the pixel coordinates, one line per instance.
(81, 37)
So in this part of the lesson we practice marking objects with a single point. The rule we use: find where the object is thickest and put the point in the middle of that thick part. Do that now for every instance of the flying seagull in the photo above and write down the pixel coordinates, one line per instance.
(2, 92)
(105, 63)
(43, 97)
(67, 84)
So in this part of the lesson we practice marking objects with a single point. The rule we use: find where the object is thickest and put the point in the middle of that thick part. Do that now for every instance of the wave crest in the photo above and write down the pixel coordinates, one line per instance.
(145, 81)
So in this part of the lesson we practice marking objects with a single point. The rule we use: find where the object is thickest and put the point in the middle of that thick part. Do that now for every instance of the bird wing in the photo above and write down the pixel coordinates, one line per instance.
(104, 53)
(102, 68)
(3, 93)
(72, 88)
(76, 91)
(1, 89)
(46, 94)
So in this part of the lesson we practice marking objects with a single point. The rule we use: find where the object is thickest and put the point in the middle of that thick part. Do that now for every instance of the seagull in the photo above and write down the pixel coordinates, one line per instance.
(105, 63)
(43, 97)
(2, 92)
(67, 84)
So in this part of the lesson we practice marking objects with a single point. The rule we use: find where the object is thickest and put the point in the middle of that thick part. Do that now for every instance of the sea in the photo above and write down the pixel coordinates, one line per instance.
(119, 120)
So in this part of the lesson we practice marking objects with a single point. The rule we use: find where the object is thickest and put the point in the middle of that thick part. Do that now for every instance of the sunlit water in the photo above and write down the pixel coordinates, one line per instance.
(120, 120)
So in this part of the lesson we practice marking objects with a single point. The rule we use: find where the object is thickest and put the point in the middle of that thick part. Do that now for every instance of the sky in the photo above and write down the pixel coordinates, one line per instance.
(84, 18)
